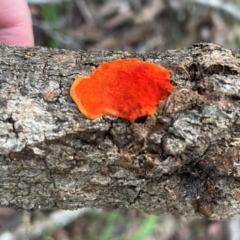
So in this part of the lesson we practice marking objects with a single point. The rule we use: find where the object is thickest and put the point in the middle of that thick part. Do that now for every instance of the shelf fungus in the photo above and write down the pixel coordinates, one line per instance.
(126, 88)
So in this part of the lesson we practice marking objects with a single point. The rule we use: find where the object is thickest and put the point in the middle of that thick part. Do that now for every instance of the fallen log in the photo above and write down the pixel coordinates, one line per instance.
(184, 159)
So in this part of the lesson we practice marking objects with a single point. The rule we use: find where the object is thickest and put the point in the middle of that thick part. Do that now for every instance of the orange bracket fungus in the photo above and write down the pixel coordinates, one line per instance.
(126, 88)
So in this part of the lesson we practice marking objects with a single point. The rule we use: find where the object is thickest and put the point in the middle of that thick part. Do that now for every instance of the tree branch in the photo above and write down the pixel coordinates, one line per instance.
(185, 159)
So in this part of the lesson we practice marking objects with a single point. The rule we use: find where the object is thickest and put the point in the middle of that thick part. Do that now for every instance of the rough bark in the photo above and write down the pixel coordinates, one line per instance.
(185, 159)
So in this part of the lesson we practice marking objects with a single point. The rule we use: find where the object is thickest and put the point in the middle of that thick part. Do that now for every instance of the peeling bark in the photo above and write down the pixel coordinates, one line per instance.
(185, 159)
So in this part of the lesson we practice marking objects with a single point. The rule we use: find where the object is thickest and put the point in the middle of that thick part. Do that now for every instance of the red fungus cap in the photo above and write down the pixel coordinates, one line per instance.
(126, 88)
